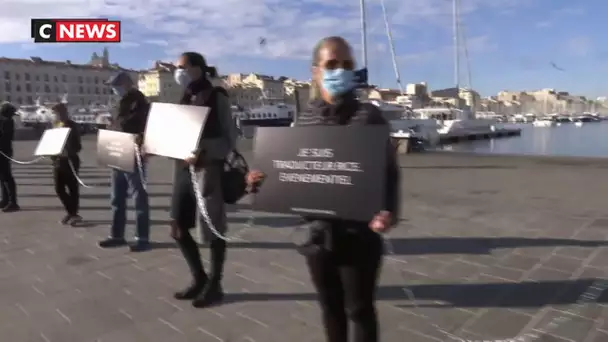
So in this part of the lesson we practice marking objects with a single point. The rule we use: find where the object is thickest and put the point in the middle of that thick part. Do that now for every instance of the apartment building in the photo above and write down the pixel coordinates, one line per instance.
(23, 81)
(158, 83)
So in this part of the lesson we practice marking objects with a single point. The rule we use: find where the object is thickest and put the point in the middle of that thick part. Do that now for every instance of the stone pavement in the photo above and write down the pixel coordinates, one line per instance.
(491, 247)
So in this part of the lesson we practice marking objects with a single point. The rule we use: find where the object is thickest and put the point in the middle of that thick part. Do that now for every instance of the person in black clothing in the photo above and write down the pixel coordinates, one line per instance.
(130, 117)
(7, 182)
(344, 257)
(218, 139)
(66, 167)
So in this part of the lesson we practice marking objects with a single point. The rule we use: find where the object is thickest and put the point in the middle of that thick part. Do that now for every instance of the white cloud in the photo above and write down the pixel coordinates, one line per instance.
(234, 27)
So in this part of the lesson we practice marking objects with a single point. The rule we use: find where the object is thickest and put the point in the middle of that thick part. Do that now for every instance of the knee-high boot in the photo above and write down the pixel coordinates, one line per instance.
(190, 251)
(213, 292)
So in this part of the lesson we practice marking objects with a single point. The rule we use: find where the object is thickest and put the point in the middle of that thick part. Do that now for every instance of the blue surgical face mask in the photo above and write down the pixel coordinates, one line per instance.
(182, 77)
(120, 91)
(338, 81)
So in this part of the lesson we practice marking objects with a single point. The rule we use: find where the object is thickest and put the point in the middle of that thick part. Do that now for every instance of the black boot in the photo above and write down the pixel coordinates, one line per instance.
(190, 251)
(11, 189)
(5, 196)
(213, 293)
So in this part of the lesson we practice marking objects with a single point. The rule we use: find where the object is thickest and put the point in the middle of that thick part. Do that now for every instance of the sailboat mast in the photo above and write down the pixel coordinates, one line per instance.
(363, 34)
(456, 44)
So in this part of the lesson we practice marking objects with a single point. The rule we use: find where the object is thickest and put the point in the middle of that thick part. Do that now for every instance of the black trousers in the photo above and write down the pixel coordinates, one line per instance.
(183, 213)
(67, 187)
(7, 182)
(345, 279)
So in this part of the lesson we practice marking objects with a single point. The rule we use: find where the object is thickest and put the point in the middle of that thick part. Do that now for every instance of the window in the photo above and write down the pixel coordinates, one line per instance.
(18, 88)
(19, 100)
(17, 77)
(7, 75)
(37, 77)
(55, 79)
(64, 78)
(30, 100)
(80, 80)
(96, 80)
(46, 77)
(81, 90)
(26, 76)
(47, 89)
(28, 87)
(8, 88)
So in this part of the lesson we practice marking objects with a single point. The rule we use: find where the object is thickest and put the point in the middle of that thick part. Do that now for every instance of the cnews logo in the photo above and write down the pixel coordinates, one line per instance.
(75, 31)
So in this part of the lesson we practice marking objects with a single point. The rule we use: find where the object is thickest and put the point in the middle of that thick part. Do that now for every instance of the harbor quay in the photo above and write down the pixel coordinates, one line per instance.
(489, 247)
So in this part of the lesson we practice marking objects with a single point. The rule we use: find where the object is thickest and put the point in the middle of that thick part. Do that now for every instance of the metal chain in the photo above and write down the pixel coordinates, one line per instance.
(140, 168)
(29, 162)
(589, 296)
(202, 207)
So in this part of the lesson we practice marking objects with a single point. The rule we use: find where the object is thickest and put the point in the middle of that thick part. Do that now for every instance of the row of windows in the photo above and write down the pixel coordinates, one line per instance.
(47, 89)
(29, 100)
(46, 78)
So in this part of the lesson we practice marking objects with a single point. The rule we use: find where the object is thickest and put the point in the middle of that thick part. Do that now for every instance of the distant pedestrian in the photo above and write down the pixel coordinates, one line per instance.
(8, 203)
(67, 166)
(130, 117)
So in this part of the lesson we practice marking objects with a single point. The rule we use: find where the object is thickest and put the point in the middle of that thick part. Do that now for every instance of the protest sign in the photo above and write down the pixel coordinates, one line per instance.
(52, 142)
(322, 171)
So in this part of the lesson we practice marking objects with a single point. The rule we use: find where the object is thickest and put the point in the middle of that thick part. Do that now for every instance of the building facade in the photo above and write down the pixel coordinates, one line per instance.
(24, 81)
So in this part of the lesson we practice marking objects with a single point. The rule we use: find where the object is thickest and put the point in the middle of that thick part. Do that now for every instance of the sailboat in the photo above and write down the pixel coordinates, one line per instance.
(432, 122)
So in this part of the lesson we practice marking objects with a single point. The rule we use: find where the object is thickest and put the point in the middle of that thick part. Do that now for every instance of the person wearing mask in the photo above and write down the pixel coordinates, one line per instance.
(217, 141)
(131, 117)
(66, 166)
(344, 257)
(8, 203)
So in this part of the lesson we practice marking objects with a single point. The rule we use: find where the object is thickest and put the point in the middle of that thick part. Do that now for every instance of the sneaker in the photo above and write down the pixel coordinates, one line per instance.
(139, 246)
(66, 220)
(75, 220)
(11, 208)
(112, 242)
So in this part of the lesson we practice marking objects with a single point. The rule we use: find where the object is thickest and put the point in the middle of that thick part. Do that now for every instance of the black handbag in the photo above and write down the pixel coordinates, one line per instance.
(234, 177)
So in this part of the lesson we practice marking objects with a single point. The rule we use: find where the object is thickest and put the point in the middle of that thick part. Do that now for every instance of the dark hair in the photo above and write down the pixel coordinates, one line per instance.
(314, 87)
(197, 60)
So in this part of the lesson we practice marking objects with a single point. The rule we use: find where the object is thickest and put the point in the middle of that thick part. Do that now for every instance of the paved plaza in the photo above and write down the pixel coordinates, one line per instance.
(491, 248)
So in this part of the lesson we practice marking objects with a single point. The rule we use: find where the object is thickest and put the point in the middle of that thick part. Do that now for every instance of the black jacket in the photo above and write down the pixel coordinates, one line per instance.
(349, 111)
(203, 93)
(131, 114)
(7, 129)
(73, 145)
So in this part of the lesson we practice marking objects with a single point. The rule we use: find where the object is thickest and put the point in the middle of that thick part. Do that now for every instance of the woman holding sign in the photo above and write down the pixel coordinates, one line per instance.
(66, 166)
(344, 257)
(217, 141)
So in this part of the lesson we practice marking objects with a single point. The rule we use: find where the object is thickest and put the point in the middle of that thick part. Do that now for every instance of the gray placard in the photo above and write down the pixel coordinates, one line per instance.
(322, 171)
(116, 150)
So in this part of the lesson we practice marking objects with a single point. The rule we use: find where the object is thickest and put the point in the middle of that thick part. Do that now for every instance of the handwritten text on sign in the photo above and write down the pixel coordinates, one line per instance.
(292, 167)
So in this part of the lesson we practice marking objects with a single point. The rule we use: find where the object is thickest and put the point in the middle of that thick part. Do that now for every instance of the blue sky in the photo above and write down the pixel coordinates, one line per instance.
(511, 43)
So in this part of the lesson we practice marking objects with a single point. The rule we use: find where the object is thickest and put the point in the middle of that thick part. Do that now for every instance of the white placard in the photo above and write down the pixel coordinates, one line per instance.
(172, 130)
(52, 142)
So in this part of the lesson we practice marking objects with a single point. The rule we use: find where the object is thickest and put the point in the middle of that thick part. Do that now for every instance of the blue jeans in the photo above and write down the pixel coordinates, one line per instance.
(121, 182)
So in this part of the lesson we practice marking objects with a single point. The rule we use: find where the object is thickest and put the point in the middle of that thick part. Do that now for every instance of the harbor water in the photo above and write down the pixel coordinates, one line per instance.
(588, 140)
